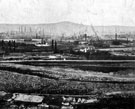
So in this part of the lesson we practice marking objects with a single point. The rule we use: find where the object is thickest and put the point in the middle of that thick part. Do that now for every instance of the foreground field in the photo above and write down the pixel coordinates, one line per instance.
(55, 80)
(54, 83)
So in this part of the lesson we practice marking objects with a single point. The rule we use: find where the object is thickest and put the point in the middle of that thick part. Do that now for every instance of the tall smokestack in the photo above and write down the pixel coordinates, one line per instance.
(14, 45)
(116, 36)
(127, 40)
(85, 36)
(55, 47)
(52, 44)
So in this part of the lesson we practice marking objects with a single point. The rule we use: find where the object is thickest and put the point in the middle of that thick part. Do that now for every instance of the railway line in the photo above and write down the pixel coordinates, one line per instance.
(68, 61)
(94, 65)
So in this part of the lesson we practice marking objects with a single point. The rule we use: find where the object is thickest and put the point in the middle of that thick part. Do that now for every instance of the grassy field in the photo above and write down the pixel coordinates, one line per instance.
(55, 80)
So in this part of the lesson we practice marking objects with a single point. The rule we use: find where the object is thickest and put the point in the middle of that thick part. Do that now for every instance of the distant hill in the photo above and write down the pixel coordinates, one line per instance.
(67, 29)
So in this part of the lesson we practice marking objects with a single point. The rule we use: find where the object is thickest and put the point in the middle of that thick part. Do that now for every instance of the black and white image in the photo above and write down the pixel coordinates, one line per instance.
(67, 54)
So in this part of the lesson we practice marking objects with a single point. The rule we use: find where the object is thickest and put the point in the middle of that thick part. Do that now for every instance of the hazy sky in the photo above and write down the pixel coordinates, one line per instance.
(96, 12)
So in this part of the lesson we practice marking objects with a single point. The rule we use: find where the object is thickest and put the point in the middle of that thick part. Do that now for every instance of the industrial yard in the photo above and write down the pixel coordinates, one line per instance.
(63, 74)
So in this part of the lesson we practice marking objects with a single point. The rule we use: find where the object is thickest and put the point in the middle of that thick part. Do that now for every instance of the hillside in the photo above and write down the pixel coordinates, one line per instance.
(66, 29)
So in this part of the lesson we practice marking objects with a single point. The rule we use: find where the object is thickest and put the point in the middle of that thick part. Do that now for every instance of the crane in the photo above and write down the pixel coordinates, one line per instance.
(94, 32)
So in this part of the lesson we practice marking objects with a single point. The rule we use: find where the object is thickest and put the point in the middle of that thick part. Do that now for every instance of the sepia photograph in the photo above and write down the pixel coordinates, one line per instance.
(67, 54)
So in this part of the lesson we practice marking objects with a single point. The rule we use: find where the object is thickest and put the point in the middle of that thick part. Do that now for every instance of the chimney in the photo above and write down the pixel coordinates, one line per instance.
(115, 36)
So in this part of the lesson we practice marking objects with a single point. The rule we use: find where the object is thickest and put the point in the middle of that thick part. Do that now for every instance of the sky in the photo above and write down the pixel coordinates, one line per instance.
(95, 12)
